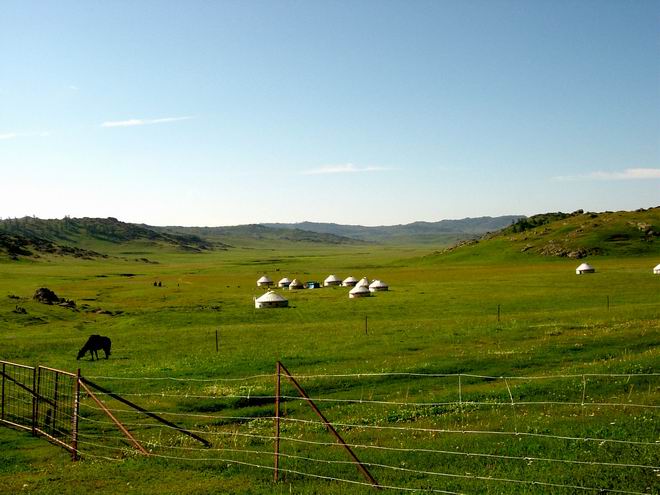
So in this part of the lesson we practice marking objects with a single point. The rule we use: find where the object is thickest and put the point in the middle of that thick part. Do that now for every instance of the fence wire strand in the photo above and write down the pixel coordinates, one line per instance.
(391, 403)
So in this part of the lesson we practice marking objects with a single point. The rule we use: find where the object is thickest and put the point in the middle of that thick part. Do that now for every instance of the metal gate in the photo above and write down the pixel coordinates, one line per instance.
(42, 400)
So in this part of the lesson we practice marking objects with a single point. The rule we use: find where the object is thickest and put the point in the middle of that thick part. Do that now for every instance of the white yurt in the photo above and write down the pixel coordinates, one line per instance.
(331, 280)
(656, 270)
(264, 281)
(271, 300)
(584, 268)
(378, 285)
(359, 291)
(296, 284)
(349, 282)
(364, 282)
(285, 282)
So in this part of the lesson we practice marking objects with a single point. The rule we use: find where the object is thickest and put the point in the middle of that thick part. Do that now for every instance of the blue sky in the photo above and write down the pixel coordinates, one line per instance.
(364, 112)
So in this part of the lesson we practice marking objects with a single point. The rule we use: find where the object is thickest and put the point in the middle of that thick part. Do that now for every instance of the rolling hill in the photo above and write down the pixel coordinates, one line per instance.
(86, 237)
(572, 235)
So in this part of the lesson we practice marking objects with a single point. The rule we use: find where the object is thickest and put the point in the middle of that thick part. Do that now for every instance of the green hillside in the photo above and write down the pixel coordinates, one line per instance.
(569, 235)
(87, 237)
(16, 245)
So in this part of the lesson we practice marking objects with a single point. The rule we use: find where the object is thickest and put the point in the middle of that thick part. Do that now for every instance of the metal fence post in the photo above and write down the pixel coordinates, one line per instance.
(4, 371)
(361, 467)
(55, 402)
(35, 400)
(277, 423)
(74, 417)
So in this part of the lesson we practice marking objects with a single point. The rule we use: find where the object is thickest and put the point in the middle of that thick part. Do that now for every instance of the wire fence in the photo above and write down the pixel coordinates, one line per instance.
(405, 432)
(436, 433)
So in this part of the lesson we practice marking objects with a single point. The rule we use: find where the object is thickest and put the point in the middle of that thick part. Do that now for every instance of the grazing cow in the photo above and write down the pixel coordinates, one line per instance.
(93, 344)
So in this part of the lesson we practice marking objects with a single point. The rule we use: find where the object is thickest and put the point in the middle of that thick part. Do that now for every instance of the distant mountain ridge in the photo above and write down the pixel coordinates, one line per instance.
(415, 231)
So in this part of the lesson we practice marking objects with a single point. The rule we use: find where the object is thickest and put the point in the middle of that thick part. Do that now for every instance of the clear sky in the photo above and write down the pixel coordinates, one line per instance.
(365, 112)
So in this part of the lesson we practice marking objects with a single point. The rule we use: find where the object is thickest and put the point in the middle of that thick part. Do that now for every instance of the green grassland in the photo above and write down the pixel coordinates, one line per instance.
(439, 317)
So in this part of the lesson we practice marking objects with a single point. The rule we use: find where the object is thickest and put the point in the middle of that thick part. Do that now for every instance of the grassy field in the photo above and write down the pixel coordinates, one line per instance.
(440, 317)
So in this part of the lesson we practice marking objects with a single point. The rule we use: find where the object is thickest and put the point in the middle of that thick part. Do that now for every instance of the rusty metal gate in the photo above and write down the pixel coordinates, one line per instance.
(42, 400)
(55, 411)
(17, 395)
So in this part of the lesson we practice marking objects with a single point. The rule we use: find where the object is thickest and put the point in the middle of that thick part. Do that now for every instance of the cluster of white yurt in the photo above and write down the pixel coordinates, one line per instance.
(295, 284)
(271, 300)
(360, 288)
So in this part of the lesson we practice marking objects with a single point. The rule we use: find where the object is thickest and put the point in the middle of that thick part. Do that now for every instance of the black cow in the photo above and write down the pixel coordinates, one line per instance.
(94, 344)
